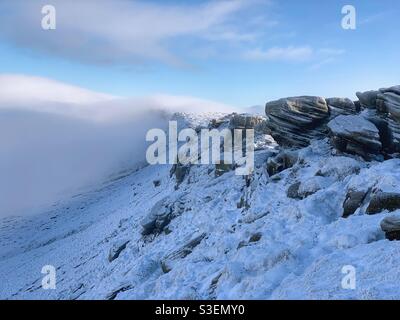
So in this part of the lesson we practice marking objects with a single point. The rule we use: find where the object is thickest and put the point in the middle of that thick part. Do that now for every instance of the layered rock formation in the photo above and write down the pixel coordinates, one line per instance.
(369, 127)
(297, 120)
(391, 226)
(354, 134)
(385, 104)
(341, 106)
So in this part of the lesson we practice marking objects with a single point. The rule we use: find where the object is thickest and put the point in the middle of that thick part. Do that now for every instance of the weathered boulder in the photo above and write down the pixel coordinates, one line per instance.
(312, 185)
(306, 188)
(394, 128)
(295, 121)
(180, 171)
(157, 183)
(293, 191)
(282, 161)
(245, 121)
(158, 217)
(388, 104)
(353, 201)
(384, 201)
(355, 135)
(341, 106)
(161, 214)
(388, 101)
(253, 239)
(116, 249)
(385, 133)
(391, 226)
(368, 99)
(170, 259)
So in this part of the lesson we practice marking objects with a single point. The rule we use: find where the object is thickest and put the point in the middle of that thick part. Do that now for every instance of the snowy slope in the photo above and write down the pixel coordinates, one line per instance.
(274, 247)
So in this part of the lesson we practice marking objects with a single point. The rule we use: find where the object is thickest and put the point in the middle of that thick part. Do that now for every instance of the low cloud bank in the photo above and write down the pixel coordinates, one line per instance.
(56, 139)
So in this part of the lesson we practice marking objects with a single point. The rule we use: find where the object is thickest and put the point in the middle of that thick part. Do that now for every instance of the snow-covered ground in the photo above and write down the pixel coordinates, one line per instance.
(269, 247)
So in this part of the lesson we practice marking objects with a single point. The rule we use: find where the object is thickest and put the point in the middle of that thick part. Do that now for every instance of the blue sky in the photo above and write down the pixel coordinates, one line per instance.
(241, 53)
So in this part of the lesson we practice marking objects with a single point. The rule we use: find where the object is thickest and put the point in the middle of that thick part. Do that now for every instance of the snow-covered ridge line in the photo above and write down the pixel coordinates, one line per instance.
(201, 232)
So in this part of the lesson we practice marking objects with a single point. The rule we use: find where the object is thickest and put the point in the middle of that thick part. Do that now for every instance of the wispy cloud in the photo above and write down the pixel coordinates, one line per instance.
(290, 53)
(326, 56)
(122, 31)
(331, 51)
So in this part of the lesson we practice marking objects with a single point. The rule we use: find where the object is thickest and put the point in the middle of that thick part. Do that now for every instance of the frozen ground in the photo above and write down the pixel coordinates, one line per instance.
(272, 247)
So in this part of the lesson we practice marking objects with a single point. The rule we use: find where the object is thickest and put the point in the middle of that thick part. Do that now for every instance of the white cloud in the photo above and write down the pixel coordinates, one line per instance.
(121, 31)
(56, 139)
(17, 87)
(326, 56)
(320, 64)
(290, 53)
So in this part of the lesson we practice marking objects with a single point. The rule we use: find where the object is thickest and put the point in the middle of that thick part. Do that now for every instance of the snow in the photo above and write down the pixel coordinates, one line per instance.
(275, 248)
(353, 123)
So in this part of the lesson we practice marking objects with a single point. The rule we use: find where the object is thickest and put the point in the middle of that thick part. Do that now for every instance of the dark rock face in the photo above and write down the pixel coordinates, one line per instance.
(368, 98)
(116, 250)
(384, 201)
(255, 237)
(341, 106)
(303, 189)
(244, 121)
(293, 121)
(158, 218)
(157, 183)
(162, 214)
(391, 227)
(386, 103)
(355, 135)
(180, 171)
(385, 133)
(282, 161)
(293, 191)
(354, 200)
(169, 260)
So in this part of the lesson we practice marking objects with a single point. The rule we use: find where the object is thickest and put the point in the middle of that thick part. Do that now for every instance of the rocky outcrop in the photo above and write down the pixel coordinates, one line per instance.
(281, 162)
(168, 261)
(354, 200)
(245, 121)
(297, 120)
(293, 191)
(161, 214)
(116, 250)
(341, 106)
(304, 189)
(386, 103)
(391, 227)
(158, 218)
(384, 201)
(180, 171)
(355, 135)
(367, 99)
